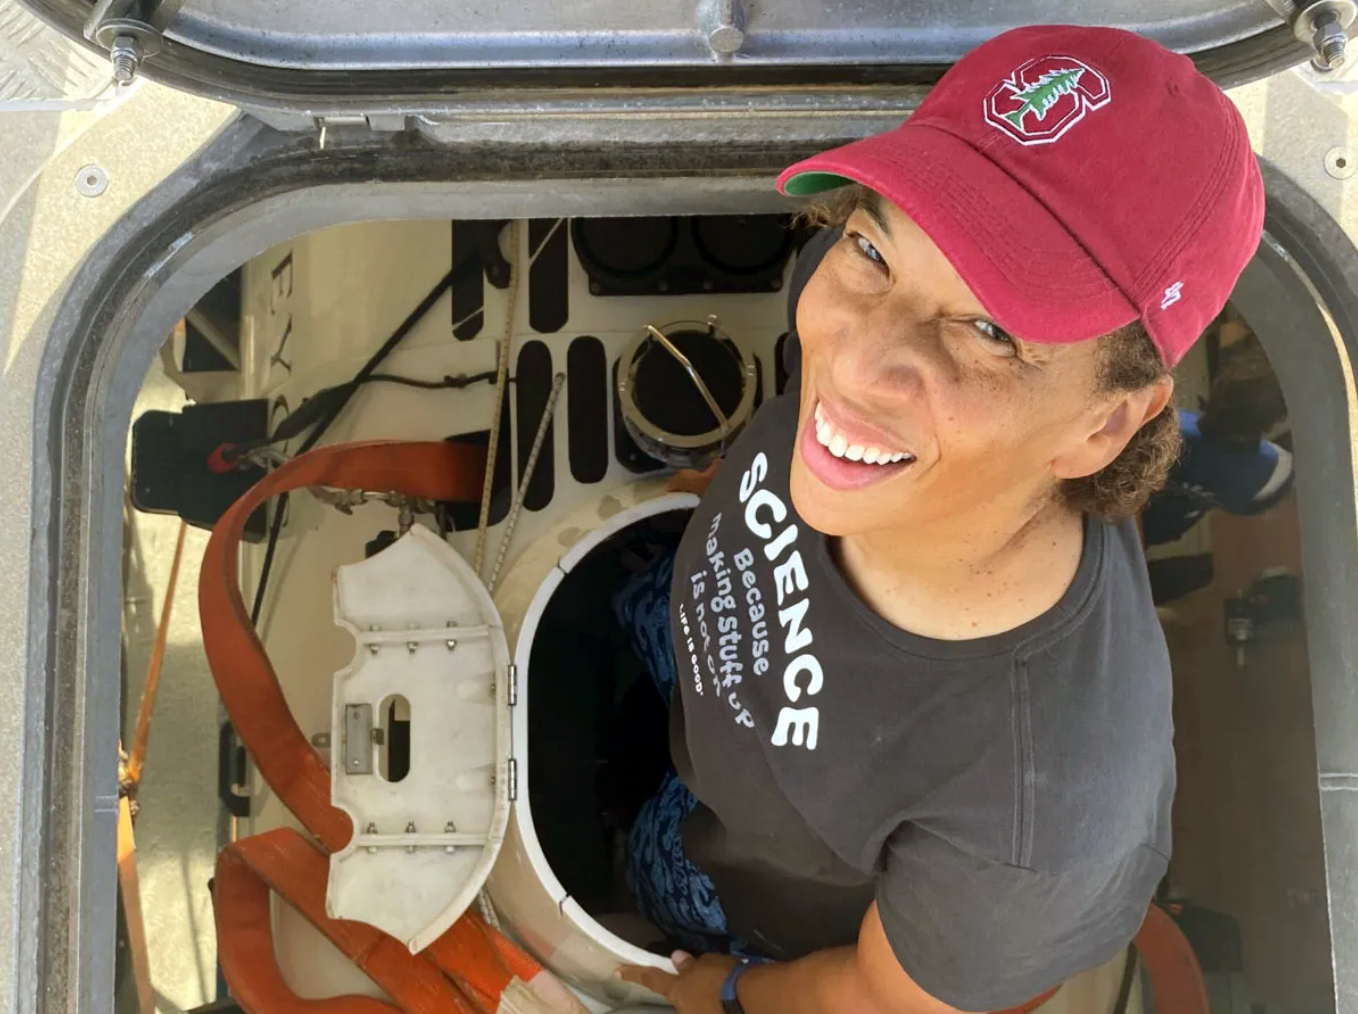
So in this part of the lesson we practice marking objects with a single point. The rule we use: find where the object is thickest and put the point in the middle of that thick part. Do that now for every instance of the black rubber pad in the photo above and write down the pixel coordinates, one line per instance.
(587, 408)
(533, 385)
(548, 296)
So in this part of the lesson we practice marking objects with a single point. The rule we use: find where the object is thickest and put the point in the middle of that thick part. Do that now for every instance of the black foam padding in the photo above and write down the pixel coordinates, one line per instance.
(477, 259)
(668, 397)
(743, 244)
(587, 408)
(548, 290)
(624, 246)
(170, 454)
(675, 256)
(625, 449)
(468, 288)
(533, 386)
(462, 517)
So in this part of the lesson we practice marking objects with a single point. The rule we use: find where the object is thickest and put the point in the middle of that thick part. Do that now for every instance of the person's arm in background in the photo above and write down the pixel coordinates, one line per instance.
(689, 480)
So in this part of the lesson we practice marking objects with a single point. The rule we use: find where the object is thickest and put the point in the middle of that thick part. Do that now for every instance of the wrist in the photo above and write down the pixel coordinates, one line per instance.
(730, 996)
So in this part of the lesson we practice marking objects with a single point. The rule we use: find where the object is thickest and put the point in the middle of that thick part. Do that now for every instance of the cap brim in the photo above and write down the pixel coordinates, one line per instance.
(1027, 270)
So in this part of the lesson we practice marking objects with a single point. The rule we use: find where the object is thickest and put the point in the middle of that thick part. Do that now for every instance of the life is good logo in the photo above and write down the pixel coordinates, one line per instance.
(1045, 97)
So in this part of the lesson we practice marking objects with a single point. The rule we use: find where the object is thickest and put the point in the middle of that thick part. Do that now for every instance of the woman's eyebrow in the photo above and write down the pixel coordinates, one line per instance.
(871, 205)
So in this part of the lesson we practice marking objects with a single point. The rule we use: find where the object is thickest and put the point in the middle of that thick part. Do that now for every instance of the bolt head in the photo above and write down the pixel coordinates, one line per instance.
(726, 40)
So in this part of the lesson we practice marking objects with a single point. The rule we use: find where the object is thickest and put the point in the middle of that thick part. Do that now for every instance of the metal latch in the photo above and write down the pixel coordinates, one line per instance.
(360, 736)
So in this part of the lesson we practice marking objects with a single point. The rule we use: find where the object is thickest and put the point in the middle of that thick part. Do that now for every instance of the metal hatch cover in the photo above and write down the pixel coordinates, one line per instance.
(491, 34)
(431, 656)
(365, 55)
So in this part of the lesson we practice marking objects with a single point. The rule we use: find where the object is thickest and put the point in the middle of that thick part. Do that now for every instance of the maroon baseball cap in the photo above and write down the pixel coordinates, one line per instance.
(1078, 179)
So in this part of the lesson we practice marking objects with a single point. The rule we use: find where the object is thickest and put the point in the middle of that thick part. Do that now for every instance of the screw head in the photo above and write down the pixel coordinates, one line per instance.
(1340, 163)
(91, 181)
(726, 40)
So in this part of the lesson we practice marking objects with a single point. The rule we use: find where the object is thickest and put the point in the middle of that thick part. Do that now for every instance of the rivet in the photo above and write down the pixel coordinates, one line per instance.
(371, 829)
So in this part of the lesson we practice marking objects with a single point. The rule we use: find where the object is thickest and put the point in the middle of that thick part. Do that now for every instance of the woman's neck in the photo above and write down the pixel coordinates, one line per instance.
(966, 577)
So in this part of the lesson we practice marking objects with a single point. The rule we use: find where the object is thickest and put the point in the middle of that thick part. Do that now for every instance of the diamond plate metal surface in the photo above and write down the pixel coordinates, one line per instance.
(39, 66)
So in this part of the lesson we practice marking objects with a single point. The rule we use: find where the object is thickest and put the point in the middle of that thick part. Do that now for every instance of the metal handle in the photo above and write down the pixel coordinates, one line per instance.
(673, 350)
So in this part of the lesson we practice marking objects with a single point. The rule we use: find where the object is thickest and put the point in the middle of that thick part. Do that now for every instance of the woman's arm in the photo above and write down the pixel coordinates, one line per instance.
(865, 979)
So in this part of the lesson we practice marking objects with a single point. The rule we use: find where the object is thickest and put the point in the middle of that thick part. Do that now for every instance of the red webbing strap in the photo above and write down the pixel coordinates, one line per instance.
(1176, 980)
(284, 862)
(244, 676)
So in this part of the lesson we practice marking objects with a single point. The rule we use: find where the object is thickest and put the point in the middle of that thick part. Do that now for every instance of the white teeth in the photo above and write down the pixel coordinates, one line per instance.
(838, 445)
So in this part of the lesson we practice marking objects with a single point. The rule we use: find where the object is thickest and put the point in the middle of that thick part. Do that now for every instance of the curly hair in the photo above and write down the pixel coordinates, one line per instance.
(1128, 361)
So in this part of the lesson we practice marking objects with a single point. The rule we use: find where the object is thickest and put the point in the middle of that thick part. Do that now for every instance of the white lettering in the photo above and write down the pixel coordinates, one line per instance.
(789, 574)
(802, 664)
(763, 498)
(753, 476)
(796, 637)
(802, 723)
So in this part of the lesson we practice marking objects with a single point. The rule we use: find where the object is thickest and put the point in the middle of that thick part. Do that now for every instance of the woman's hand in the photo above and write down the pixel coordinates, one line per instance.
(688, 480)
(697, 987)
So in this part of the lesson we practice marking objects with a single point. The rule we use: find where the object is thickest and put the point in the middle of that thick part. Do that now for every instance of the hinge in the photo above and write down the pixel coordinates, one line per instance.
(378, 123)
(513, 684)
(513, 779)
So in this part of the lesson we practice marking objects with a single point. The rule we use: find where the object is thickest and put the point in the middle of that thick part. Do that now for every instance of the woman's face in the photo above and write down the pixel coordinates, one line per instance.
(917, 407)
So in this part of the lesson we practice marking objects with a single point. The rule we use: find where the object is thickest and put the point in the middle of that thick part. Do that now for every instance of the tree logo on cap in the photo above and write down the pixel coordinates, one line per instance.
(1045, 97)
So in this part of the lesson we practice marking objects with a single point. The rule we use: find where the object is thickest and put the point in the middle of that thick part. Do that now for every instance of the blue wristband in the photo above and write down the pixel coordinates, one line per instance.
(730, 1000)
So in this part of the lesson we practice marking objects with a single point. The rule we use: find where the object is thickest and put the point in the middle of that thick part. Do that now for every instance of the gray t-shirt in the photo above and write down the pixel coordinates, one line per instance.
(1005, 800)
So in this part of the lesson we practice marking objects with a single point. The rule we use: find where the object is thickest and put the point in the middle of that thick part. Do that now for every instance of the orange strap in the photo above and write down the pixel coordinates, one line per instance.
(284, 862)
(481, 961)
(1175, 976)
(244, 676)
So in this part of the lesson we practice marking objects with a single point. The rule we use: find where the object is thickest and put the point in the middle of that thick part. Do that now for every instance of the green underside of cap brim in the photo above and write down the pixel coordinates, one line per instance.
(808, 183)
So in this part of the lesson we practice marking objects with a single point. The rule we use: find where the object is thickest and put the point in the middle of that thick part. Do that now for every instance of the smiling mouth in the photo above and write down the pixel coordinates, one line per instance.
(843, 463)
(842, 447)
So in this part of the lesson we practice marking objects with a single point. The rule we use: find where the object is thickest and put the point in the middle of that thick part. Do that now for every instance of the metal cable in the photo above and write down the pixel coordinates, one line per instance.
(501, 381)
(516, 507)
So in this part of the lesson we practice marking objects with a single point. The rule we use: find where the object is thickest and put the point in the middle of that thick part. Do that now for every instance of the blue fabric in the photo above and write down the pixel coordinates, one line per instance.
(1209, 475)
(671, 892)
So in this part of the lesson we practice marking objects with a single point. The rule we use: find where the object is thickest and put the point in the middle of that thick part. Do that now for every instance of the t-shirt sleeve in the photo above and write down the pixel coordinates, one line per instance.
(985, 936)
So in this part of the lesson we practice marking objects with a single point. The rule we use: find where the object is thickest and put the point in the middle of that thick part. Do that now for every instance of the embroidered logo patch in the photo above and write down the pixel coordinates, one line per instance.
(1045, 97)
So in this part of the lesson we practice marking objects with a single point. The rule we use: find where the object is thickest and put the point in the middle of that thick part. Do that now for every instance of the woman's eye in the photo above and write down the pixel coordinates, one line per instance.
(997, 340)
(866, 248)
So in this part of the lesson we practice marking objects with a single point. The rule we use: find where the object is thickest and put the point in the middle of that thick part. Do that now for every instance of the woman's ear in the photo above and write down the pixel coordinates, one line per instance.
(1114, 426)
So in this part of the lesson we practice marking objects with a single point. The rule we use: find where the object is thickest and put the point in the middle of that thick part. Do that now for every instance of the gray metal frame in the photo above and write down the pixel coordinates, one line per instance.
(253, 187)
(378, 58)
